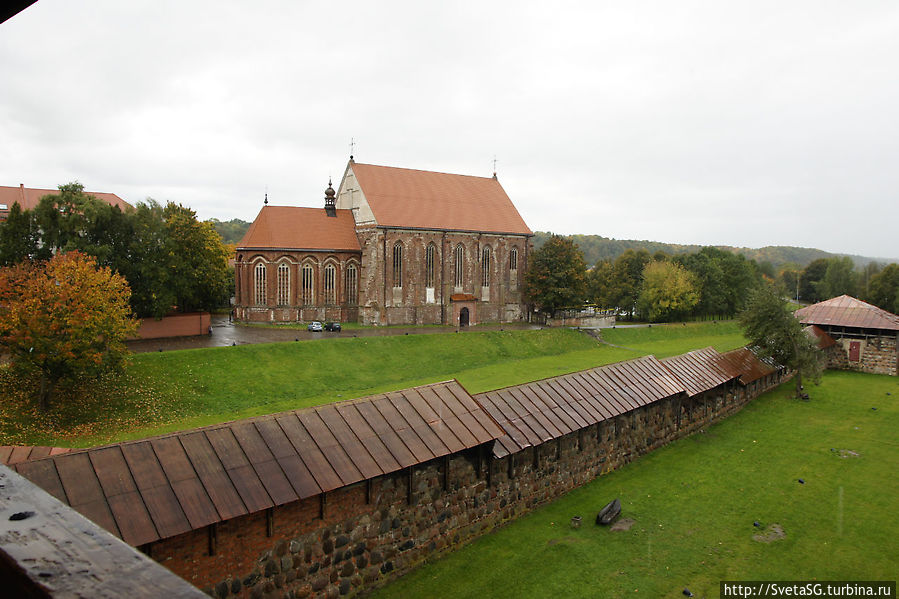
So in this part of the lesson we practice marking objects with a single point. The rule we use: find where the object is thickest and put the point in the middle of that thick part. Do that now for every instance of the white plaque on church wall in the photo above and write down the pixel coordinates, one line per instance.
(485, 294)
(429, 295)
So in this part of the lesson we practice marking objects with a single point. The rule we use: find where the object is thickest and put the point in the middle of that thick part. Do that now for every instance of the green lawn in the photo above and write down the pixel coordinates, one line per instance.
(175, 390)
(695, 501)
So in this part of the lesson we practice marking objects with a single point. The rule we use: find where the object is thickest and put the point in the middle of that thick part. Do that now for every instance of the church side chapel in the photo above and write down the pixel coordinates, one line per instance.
(390, 246)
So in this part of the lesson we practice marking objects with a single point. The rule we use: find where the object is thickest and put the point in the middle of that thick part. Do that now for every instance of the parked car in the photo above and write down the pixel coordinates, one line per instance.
(332, 326)
(315, 326)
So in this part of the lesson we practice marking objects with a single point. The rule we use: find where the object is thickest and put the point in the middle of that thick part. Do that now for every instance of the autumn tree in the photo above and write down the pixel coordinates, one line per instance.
(769, 324)
(63, 319)
(669, 292)
(556, 275)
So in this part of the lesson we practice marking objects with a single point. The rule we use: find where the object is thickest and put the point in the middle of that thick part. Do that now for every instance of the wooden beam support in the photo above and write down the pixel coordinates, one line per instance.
(368, 491)
(270, 522)
(213, 538)
(446, 470)
(321, 505)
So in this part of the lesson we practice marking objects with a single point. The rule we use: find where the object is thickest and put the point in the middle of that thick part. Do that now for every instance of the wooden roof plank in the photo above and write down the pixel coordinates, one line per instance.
(198, 507)
(367, 436)
(165, 510)
(418, 424)
(112, 471)
(43, 473)
(210, 471)
(335, 453)
(305, 447)
(298, 476)
(250, 488)
(132, 518)
(347, 438)
(394, 444)
(275, 481)
(419, 449)
(226, 447)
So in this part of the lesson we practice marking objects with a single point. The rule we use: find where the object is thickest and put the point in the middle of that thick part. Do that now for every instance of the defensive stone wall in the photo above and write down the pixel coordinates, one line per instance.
(361, 536)
(876, 355)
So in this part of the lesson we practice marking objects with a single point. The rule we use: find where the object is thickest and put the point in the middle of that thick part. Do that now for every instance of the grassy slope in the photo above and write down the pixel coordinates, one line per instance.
(182, 389)
(695, 501)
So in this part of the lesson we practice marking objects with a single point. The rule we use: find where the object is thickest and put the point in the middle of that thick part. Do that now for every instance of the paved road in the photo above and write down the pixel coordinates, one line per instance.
(225, 333)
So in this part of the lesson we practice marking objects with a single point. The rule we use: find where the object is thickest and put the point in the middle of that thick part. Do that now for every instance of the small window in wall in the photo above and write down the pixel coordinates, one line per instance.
(259, 284)
(429, 265)
(283, 285)
(351, 284)
(459, 263)
(485, 267)
(398, 265)
(513, 259)
(308, 285)
(329, 284)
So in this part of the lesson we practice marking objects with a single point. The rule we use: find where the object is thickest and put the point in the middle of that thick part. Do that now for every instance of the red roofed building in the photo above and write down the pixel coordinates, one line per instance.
(866, 336)
(391, 246)
(28, 198)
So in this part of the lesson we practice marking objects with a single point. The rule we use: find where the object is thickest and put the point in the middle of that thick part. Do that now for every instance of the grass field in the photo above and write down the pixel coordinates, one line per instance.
(175, 390)
(695, 502)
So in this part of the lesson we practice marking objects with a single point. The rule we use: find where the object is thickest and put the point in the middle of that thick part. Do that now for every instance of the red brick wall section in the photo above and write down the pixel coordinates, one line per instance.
(177, 325)
(371, 533)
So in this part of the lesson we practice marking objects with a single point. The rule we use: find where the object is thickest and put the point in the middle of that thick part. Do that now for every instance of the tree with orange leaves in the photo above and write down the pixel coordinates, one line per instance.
(63, 319)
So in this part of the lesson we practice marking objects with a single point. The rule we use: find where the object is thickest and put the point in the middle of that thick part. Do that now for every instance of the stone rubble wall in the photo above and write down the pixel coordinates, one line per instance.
(877, 355)
(364, 535)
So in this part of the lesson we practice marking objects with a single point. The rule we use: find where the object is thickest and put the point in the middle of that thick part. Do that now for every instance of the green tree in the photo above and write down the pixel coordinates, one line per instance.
(556, 275)
(19, 237)
(627, 280)
(839, 278)
(769, 324)
(600, 283)
(669, 292)
(63, 319)
(884, 289)
(809, 280)
(198, 260)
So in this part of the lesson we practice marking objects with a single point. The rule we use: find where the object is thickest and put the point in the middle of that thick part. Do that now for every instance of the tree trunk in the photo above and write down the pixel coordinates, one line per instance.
(47, 386)
(798, 384)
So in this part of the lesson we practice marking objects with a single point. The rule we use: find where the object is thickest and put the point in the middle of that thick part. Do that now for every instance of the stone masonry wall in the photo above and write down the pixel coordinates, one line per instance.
(877, 355)
(367, 534)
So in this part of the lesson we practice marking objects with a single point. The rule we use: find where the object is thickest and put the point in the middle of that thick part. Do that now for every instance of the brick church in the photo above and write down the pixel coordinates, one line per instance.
(390, 246)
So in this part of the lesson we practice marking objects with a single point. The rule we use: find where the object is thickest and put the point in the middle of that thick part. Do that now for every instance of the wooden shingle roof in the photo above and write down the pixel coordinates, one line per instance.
(534, 413)
(152, 489)
(699, 370)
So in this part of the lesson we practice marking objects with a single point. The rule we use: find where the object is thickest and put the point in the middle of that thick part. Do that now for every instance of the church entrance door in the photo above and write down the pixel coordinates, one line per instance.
(463, 317)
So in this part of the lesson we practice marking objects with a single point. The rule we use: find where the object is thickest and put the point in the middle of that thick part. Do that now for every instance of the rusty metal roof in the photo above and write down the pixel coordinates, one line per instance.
(819, 336)
(409, 198)
(699, 370)
(292, 228)
(846, 311)
(152, 489)
(533, 413)
(13, 454)
(745, 364)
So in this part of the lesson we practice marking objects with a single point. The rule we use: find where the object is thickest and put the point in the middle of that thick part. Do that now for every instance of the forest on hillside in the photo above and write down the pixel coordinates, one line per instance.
(597, 247)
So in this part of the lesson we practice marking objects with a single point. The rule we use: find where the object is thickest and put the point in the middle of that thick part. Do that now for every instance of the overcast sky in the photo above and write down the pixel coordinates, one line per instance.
(750, 124)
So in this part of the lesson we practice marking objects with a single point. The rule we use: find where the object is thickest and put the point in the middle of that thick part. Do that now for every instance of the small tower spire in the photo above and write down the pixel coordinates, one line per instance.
(330, 208)
(352, 147)
(494, 166)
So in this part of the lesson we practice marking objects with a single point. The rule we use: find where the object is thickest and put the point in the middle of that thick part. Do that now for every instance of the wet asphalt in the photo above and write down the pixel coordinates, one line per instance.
(224, 333)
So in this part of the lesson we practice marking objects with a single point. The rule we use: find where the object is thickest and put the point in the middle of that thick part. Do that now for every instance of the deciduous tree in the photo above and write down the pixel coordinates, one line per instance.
(669, 292)
(884, 289)
(556, 275)
(770, 325)
(64, 318)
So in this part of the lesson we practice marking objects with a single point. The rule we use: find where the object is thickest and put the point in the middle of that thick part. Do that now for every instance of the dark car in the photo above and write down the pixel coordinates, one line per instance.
(332, 326)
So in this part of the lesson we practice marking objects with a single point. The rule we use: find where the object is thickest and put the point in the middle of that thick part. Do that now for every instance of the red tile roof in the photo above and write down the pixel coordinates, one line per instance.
(157, 488)
(291, 228)
(846, 311)
(28, 198)
(408, 198)
(14, 454)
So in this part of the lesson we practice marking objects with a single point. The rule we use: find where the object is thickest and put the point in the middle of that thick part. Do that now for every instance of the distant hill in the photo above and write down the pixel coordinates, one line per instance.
(232, 231)
(597, 247)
